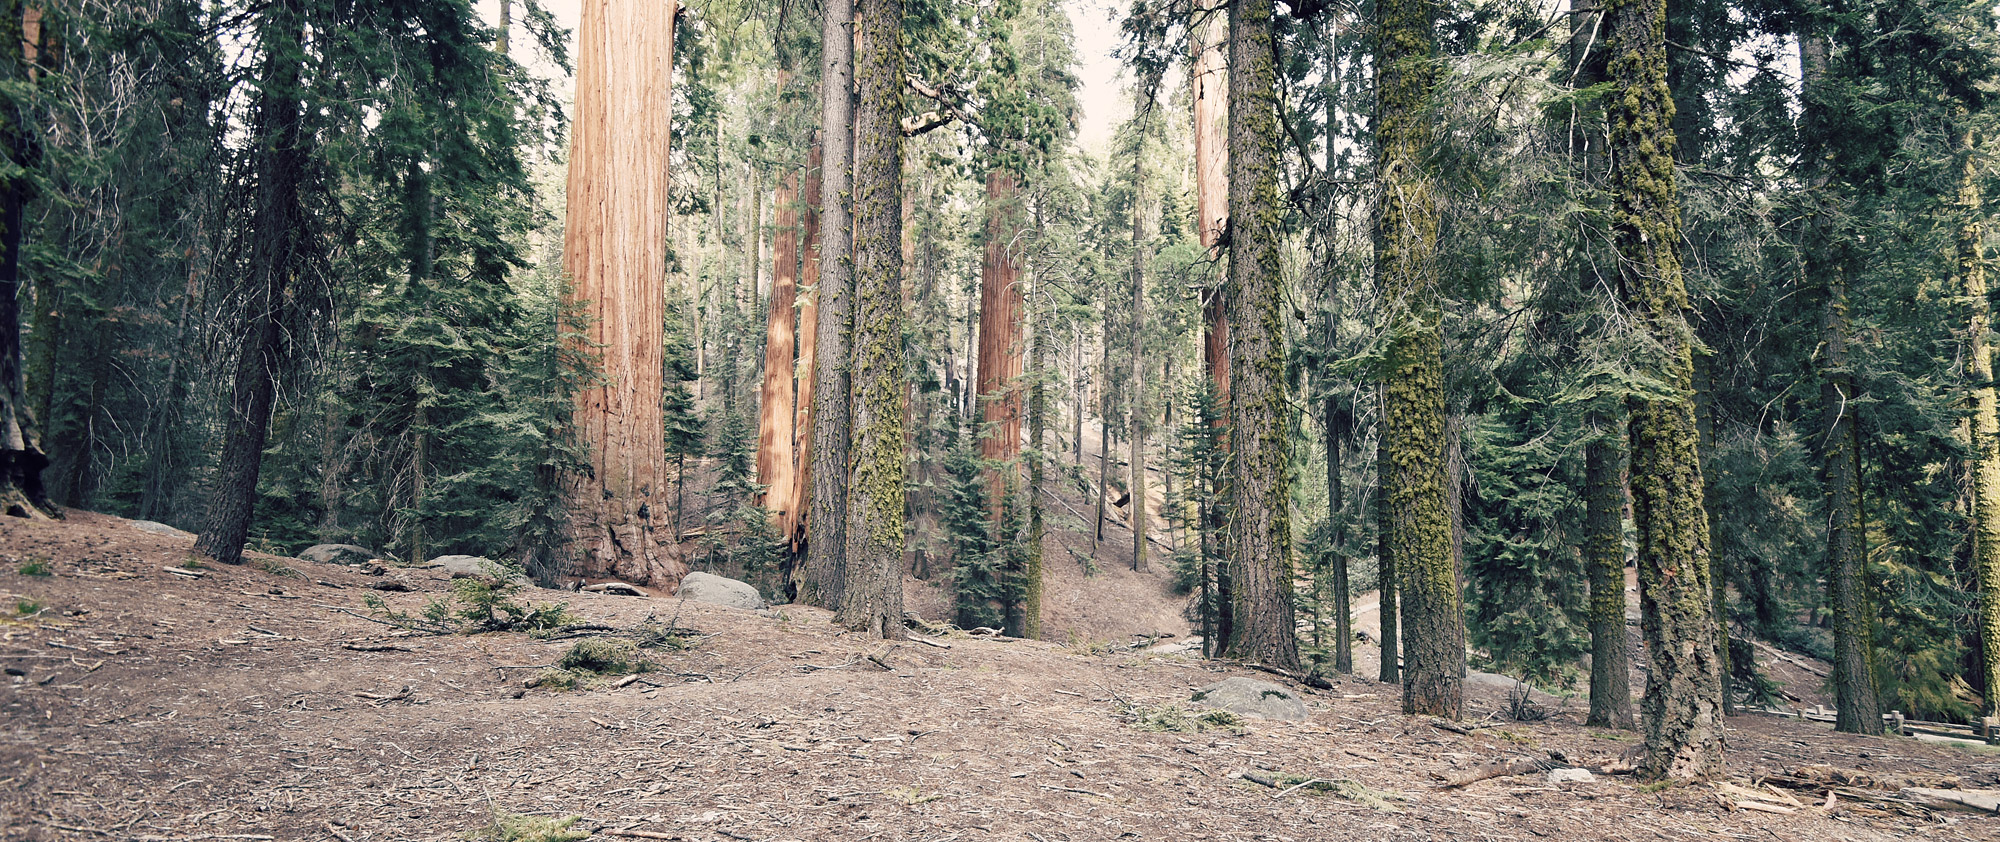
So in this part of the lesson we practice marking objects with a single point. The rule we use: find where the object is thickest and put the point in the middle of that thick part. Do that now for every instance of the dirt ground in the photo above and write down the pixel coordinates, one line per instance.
(153, 706)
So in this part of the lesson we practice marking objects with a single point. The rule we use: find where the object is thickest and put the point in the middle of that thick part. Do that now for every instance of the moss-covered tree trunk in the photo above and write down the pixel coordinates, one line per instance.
(1416, 523)
(1259, 543)
(1682, 709)
(277, 247)
(1984, 422)
(1024, 615)
(1339, 432)
(825, 570)
(873, 597)
(1604, 565)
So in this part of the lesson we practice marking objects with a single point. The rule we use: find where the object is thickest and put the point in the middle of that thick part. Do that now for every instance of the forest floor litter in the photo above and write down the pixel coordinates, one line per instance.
(145, 700)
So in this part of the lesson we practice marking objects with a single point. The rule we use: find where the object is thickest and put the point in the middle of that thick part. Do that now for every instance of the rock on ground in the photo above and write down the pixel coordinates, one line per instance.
(720, 590)
(338, 554)
(1252, 698)
(160, 529)
(474, 567)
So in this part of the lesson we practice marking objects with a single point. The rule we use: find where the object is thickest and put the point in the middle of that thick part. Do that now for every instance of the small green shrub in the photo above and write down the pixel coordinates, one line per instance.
(29, 607)
(604, 656)
(1171, 717)
(37, 567)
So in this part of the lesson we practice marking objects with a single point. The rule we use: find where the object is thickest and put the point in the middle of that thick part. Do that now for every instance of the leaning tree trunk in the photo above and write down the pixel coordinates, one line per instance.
(1984, 422)
(1259, 544)
(873, 598)
(1682, 709)
(614, 249)
(1829, 254)
(1416, 517)
(824, 574)
(277, 242)
(775, 409)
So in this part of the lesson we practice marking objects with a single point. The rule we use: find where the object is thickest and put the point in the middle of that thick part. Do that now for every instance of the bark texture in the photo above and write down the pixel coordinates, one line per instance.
(872, 601)
(615, 250)
(1682, 709)
(1416, 521)
(1137, 421)
(775, 411)
(1259, 546)
(825, 570)
(278, 243)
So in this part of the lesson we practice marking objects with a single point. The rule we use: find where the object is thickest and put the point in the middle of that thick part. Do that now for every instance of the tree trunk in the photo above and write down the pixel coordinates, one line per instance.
(1604, 565)
(1339, 429)
(1259, 544)
(21, 457)
(1828, 256)
(1029, 607)
(1416, 519)
(775, 410)
(802, 426)
(614, 248)
(825, 570)
(277, 236)
(873, 598)
(1000, 345)
(1137, 402)
(1682, 709)
(1985, 422)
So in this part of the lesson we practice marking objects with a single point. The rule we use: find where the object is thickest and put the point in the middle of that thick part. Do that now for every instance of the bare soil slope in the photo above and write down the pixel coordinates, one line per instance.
(248, 704)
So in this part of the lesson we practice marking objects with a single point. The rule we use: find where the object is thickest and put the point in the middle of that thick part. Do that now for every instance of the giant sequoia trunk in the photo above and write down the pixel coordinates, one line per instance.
(1415, 520)
(825, 571)
(872, 601)
(1682, 709)
(1000, 345)
(1259, 545)
(807, 353)
(277, 244)
(775, 410)
(614, 249)
(1829, 264)
(21, 457)
(1984, 423)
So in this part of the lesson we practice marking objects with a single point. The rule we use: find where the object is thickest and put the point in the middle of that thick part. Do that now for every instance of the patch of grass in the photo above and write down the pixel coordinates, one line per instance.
(912, 796)
(1346, 789)
(275, 568)
(37, 567)
(508, 827)
(604, 656)
(1513, 736)
(1659, 786)
(27, 607)
(193, 562)
(1171, 717)
(477, 606)
(1615, 736)
(557, 679)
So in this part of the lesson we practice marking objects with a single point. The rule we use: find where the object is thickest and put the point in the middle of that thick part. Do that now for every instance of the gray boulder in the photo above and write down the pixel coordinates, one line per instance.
(160, 529)
(1253, 699)
(720, 590)
(338, 554)
(474, 567)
